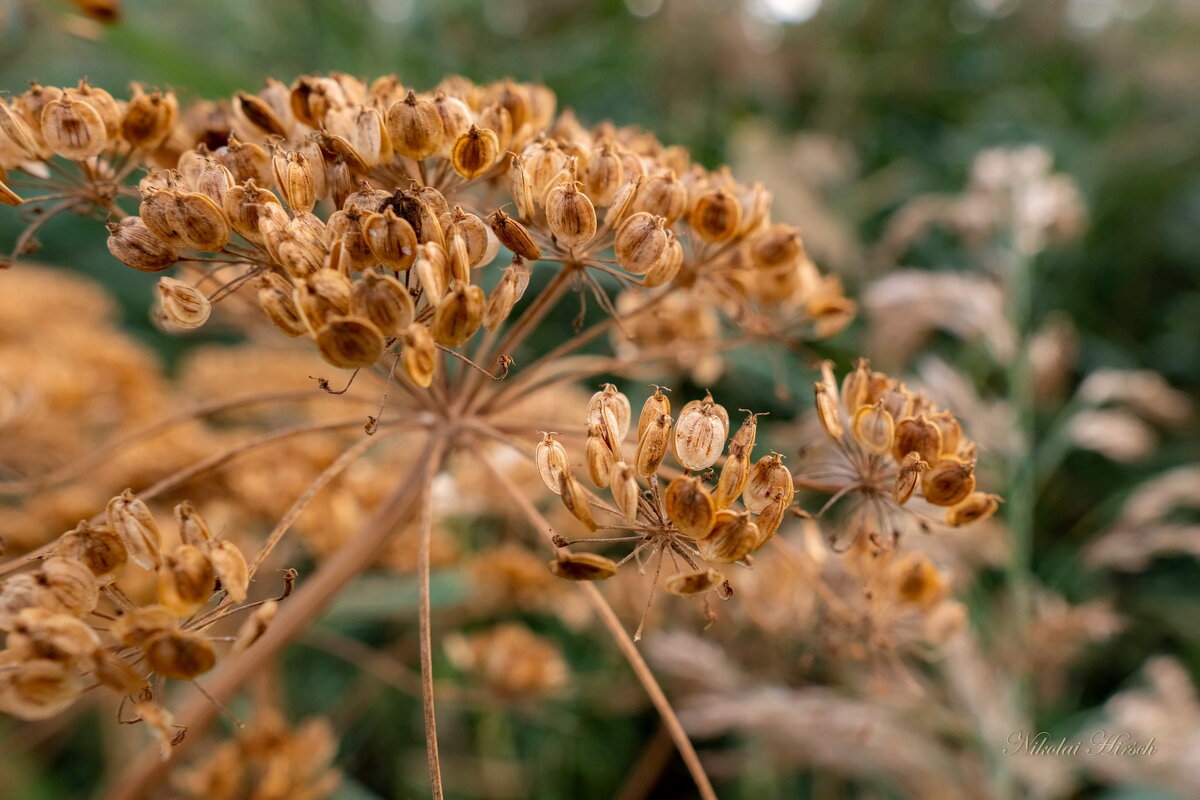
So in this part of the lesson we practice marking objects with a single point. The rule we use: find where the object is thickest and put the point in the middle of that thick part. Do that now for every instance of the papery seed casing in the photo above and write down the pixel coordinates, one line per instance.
(690, 506)
(700, 433)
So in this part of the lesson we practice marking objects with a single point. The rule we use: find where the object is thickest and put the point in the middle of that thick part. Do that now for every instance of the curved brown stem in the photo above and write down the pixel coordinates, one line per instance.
(423, 546)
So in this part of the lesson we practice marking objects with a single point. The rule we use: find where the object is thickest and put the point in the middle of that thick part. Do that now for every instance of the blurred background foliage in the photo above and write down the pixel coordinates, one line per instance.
(902, 94)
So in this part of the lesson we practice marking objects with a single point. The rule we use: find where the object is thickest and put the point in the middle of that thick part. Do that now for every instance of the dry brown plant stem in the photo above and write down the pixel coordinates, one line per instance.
(423, 547)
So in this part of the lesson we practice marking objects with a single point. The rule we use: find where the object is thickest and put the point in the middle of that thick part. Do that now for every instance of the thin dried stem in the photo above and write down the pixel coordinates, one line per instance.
(423, 547)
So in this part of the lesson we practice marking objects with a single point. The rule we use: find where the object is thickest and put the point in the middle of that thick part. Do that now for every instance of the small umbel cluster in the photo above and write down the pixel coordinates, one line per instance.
(690, 514)
(70, 626)
(896, 454)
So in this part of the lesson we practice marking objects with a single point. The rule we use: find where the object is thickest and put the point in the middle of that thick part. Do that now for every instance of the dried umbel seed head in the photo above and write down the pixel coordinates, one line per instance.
(667, 267)
(575, 498)
(625, 490)
(570, 215)
(135, 245)
(583, 566)
(185, 219)
(917, 581)
(732, 481)
(98, 548)
(230, 566)
(182, 305)
(690, 506)
(475, 152)
(652, 446)
(179, 654)
(513, 235)
(688, 584)
(551, 459)
(511, 661)
(419, 354)
(775, 246)
(655, 406)
(948, 482)
(918, 435)
(873, 428)
(136, 625)
(769, 479)
(275, 295)
(295, 176)
(38, 688)
(458, 315)
(41, 633)
(130, 517)
(350, 342)
(323, 295)
(604, 174)
(717, 216)
(185, 580)
(641, 242)
(827, 410)
(599, 457)
(73, 129)
(700, 433)
(911, 470)
(609, 410)
(391, 239)
(69, 586)
(733, 536)
(663, 195)
(384, 301)
(415, 127)
(246, 206)
(978, 506)
(149, 118)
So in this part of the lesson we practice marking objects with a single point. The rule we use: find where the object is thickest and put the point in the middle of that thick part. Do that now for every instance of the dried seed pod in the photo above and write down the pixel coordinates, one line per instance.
(652, 446)
(733, 479)
(130, 517)
(551, 459)
(475, 152)
(323, 295)
(873, 428)
(604, 174)
(920, 435)
(384, 301)
(39, 632)
(717, 216)
(948, 482)
(770, 518)
(276, 296)
(182, 305)
(98, 548)
(856, 387)
(259, 114)
(391, 239)
(72, 586)
(978, 506)
(583, 566)
(575, 498)
(514, 236)
(570, 215)
(456, 121)
(617, 419)
(415, 127)
(768, 478)
(106, 106)
(663, 195)
(742, 442)
(655, 406)
(458, 315)
(473, 232)
(690, 506)
(186, 219)
(624, 202)
(700, 433)
(179, 654)
(193, 530)
(346, 227)
(248, 161)
(625, 490)
(917, 581)
(898, 401)
(641, 242)
(185, 580)
(688, 584)
(230, 566)
(506, 294)
(246, 205)
(135, 245)
(112, 671)
(667, 266)
(599, 458)
(733, 536)
(827, 410)
(350, 342)
(295, 176)
(433, 269)
(18, 131)
(38, 689)
(952, 435)
(8, 197)
(73, 129)
(17, 594)
(776, 246)
(149, 118)
(254, 626)
(212, 179)
(546, 162)
(520, 187)
(911, 470)
(136, 625)
(419, 355)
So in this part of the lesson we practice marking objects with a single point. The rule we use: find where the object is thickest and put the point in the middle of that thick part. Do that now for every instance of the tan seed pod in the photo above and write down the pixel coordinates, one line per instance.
(98, 548)
(276, 297)
(135, 245)
(419, 355)
(733, 536)
(182, 305)
(827, 410)
(230, 566)
(17, 594)
(520, 187)
(732, 481)
(340, 180)
(346, 227)
(456, 121)
(952, 435)
(112, 671)
(149, 119)
(551, 459)
(667, 267)
(978, 506)
(873, 428)
(252, 629)
(475, 152)
(245, 206)
(625, 490)
(350, 342)
(135, 626)
(213, 180)
(917, 581)
(458, 315)
(38, 689)
(248, 161)
(72, 585)
(856, 387)
(193, 530)
(641, 242)
(690, 506)
(611, 400)
(391, 239)
(179, 654)
(506, 294)
(17, 130)
(384, 301)
(473, 232)
(295, 176)
(39, 632)
(700, 433)
(717, 216)
(768, 479)
(186, 219)
(259, 114)
(655, 406)
(776, 246)
(546, 161)
(106, 106)
(920, 435)
(583, 567)
(911, 470)
(185, 580)
(663, 195)
(514, 236)
(433, 269)
(689, 584)
(742, 442)
(898, 401)
(575, 498)
(599, 458)
(130, 517)
(323, 295)
(415, 127)
(652, 446)
(73, 129)
(624, 202)
(570, 215)
(948, 482)
(604, 174)
(770, 518)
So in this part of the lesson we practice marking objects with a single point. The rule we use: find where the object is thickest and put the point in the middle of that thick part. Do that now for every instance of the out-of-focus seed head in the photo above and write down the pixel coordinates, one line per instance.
(641, 242)
(185, 580)
(920, 435)
(181, 655)
(583, 566)
(776, 246)
(38, 689)
(575, 498)
(252, 629)
(700, 433)
(952, 435)
(690, 506)
(733, 536)
(514, 236)
(98, 548)
(827, 410)
(193, 530)
(135, 245)
(138, 624)
(652, 446)
(391, 239)
(276, 297)
(717, 216)
(73, 129)
(551, 459)
(948, 482)
(350, 342)
(230, 566)
(768, 479)
(17, 594)
(688, 584)
(415, 127)
(72, 585)
(458, 315)
(112, 671)
(419, 354)
(475, 152)
(873, 428)
(130, 517)
(182, 305)
(43, 633)
(384, 301)
(625, 490)
(149, 118)
(917, 581)
(570, 215)
(911, 470)
(856, 387)
(978, 506)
